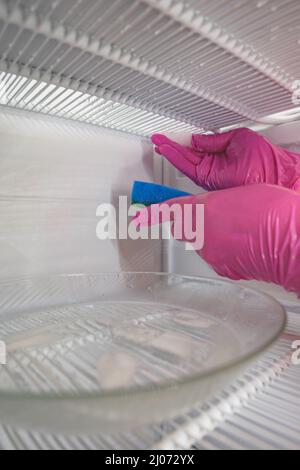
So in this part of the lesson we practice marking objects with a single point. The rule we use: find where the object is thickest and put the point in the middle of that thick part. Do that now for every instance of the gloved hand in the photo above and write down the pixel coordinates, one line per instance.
(237, 158)
(250, 232)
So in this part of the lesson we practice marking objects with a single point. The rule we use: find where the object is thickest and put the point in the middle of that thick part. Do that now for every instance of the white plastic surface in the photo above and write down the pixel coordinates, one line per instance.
(162, 57)
(53, 176)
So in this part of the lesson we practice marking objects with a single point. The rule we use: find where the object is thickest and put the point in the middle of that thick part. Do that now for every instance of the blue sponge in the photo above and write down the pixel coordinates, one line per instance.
(149, 193)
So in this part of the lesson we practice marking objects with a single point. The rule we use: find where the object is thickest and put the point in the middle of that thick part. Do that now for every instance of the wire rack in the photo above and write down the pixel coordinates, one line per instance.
(144, 64)
(259, 411)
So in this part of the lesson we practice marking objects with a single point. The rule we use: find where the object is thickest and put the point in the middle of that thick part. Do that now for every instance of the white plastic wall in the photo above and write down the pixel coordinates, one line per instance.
(53, 176)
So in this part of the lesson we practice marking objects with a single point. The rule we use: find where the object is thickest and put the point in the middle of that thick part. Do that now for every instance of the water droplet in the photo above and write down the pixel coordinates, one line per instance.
(262, 3)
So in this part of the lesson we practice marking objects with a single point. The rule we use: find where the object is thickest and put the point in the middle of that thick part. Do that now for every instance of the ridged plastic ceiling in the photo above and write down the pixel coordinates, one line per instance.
(207, 64)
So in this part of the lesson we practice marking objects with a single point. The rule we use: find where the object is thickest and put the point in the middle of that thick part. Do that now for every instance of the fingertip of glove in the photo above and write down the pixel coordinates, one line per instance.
(158, 139)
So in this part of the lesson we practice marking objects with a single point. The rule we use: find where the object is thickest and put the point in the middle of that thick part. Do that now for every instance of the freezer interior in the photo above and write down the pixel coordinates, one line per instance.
(83, 86)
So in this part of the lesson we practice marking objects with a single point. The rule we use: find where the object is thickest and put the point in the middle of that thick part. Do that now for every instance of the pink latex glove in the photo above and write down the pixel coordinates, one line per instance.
(251, 233)
(237, 158)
